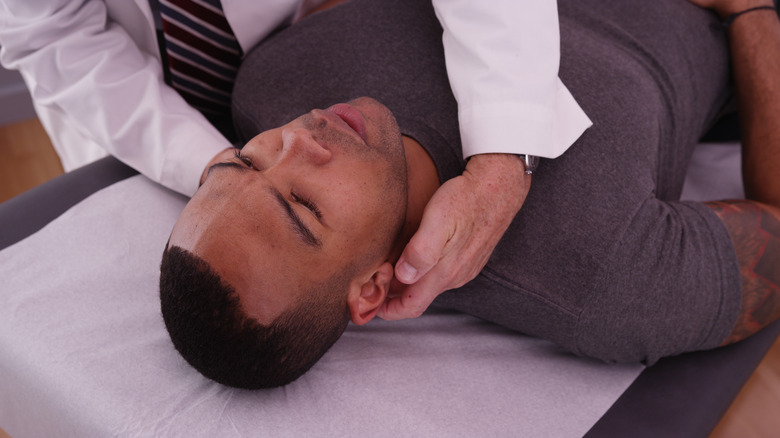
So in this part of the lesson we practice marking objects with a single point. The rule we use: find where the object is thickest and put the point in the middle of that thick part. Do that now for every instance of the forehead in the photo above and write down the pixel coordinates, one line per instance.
(248, 242)
(267, 270)
(235, 214)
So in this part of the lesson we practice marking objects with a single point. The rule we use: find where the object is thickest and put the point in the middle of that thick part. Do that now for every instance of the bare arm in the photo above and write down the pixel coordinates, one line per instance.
(754, 224)
(755, 231)
(755, 52)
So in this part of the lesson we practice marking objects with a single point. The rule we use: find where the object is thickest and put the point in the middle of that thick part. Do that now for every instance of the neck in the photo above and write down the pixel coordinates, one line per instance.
(423, 182)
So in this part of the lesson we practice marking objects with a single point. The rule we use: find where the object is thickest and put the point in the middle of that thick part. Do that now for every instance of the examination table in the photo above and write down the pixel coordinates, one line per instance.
(84, 352)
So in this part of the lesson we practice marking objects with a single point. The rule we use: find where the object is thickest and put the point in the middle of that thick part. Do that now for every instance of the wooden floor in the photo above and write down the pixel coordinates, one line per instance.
(27, 159)
(755, 412)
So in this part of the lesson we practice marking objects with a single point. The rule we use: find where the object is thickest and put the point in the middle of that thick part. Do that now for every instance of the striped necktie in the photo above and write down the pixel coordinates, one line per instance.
(203, 56)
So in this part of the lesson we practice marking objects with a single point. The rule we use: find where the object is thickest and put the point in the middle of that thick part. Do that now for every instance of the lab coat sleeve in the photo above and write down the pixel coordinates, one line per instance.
(80, 64)
(502, 60)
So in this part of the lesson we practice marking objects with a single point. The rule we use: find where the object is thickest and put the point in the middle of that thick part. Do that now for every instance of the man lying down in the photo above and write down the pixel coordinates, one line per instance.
(293, 236)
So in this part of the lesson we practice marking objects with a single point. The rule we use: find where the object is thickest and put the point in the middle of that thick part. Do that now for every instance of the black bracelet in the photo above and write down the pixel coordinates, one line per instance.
(727, 22)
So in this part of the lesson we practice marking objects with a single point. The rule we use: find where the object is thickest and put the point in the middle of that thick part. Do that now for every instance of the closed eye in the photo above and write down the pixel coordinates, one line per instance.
(243, 158)
(308, 204)
(300, 228)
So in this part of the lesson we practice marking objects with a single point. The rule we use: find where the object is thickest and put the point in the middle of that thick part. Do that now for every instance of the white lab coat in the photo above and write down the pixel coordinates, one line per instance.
(93, 70)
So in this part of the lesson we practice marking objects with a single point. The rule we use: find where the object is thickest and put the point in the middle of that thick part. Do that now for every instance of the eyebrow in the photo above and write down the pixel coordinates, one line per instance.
(297, 224)
(227, 165)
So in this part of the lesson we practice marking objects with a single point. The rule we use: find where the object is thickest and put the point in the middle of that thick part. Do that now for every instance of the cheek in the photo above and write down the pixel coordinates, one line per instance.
(357, 197)
(355, 208)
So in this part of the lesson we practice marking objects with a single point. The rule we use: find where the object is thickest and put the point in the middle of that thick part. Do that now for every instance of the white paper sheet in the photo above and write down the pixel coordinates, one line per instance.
(84, 352)
(715, 173)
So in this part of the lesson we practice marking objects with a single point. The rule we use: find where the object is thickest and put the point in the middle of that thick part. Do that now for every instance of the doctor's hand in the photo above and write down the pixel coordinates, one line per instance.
(460, 227)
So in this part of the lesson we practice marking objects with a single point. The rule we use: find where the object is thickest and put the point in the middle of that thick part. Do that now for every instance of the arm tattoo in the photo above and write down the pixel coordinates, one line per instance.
(755, 232)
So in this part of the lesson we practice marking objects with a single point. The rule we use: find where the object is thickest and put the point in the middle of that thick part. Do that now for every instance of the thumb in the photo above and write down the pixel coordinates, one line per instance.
(424, 249)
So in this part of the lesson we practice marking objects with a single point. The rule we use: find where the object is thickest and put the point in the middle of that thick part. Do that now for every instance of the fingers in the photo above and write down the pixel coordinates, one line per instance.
(412, 300)
(460, 227)
(425, 248)
(456, 266)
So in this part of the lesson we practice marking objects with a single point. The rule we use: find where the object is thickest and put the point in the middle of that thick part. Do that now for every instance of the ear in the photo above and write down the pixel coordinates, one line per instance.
(368, 292)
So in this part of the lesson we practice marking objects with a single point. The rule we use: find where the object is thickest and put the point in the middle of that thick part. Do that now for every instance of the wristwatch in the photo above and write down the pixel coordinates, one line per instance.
(531, 163)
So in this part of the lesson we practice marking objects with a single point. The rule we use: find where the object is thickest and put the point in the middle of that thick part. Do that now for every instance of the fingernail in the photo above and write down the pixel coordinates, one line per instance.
(405, 272)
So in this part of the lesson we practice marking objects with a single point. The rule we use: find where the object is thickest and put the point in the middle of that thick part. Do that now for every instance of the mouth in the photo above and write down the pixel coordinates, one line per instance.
(352, 117)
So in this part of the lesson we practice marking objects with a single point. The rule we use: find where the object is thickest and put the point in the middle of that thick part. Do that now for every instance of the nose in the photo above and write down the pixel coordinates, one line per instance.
(299, 143)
